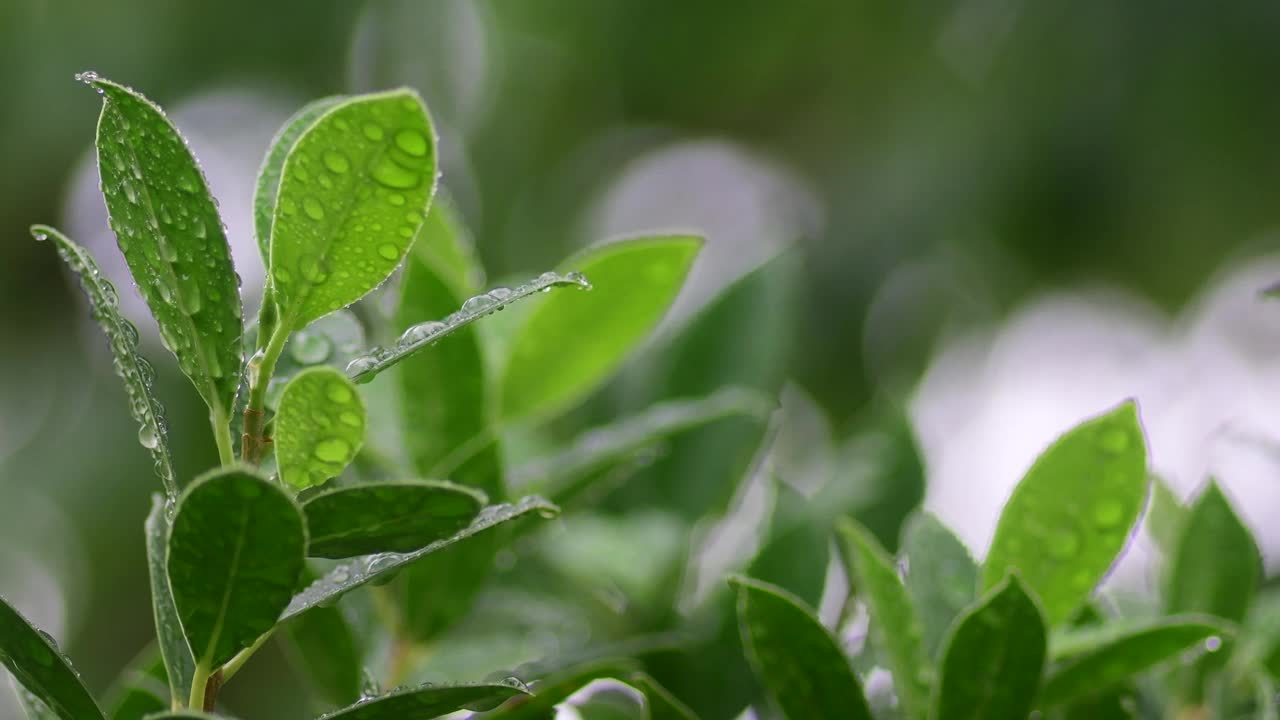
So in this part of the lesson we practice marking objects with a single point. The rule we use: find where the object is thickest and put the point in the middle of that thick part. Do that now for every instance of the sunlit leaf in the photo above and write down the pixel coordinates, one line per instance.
(430, 702)
(40, 667)
(387, 517)
(172, 642)
(319, 427)
(942, 578)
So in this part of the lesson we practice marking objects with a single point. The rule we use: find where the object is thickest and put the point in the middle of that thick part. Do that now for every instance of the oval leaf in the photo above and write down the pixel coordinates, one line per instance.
(236, 552)
(387, 517)
(895, 625)
(178, 663)
(942, 578)
(569, 344)
(354, 192)
(168, 227)
(795, 657)
(319, 427)
(994, 658)
(431, 702)
(1072, 513)
(1217, 565)
(40, 667)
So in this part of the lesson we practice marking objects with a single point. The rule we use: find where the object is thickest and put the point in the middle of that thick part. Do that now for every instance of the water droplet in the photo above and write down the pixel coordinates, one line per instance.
(514, 682)
(1114, 440)
(336, 162)
(333, 450)
(310, 348)
(372, 131)
(421, 332)
(148, 437)
(477, 304)
(1108, 513)
(500, 293)
(338, 393)
(579, 279)
(389, 251)
(412, 142)
(189, 294)
(395, 199)
(1064, 544)
(361, 365)
(312, 269)
(350, 419)
(87, 77)
(313, 208)
(1213, 643)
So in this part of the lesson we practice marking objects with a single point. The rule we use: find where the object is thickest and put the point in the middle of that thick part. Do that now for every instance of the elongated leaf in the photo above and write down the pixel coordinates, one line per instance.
(354, 192)
(556, 688)
(178, 662)
(569, 345)
(349, 576)
(942, 578)
(319, 427)
(431, 702)
(326, 646)
(1217, 564)
(795, 551)
(268, 184)
(662, 704)
(795, 657)
(184, 715)
(994, 658)
(895, 626)
(236, 553)
(168, 227)
(40, 667)
(1072, 513)
(133, 369)
(568, 473)
(1125, 656)
(141, 689)
(387, 517)
(418, 337)
(1165, 517)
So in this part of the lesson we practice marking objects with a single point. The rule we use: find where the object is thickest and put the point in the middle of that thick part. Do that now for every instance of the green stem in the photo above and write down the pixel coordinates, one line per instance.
(234, 664)
(222, 436)
(199, 679)
(263, 365)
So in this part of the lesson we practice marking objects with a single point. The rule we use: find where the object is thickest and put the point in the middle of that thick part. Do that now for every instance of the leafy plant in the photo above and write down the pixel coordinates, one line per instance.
(381, 510)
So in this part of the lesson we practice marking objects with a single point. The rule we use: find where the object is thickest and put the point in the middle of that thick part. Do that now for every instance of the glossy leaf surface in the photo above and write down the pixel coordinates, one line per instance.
(430, 702)
(39, 666)
(395, 517)
(172, 642)
(319, 427)
(942, 578)
(268, 183)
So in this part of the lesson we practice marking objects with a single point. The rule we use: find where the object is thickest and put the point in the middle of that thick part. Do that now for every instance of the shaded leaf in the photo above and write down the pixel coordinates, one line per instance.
(942, 578)
(172, 642)
(795, 657)
(431, 702)
(387, 517)
(796, 550)
(1071, 514)
(324, 644)
(184, 715)
(167, 225)
(40, 667)
(319, 427)
(662, 704)
(236, 553)
(556, 688)
(445, 245)
(1165, 517)
(141, 689)
(1217, 565)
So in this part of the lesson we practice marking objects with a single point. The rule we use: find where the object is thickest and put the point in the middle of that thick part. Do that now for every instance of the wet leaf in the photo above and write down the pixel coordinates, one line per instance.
(1071, 515)
(319, 427)
(133, 369)
(895, 626)
(324, 644)
(795, 657)
(168, 227)
(942, 578)
(395, 517)
(236, 553)
(141, 689)
(40, 667)
(993, 658)
(570, 344)
(184, 715)
(431, 702)
(557, 687)
(172, 642)
(353, 193)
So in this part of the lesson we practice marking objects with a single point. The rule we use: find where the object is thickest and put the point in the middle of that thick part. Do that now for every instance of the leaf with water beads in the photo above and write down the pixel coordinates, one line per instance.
(942, 578)
(568, 346)
(354, 191)
(39, 666)
(133, 369)
(416, 337)
(1071, 515)
(431, 701)
(383, 566)
(167, 225)
(387, 517)
(236, 552)
(319, 427)
(178, 662)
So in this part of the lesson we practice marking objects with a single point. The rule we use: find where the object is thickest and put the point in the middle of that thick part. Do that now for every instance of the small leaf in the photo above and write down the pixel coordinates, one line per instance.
(40, 667)
(354, 191)
(1108, 664)
(172, 642)
(133, 369)
(268, 184)
(141, 689)
(1166, 516)
(942, 578)
(1217, 565)
(431, 702)
(662, 704)
(418, 337)
(556, 688)
(994, 658)
(324, 644)
(236, 552)
(387, 517)
(349, 576)
(320, 427)
(569, 345)
(1071, 514)
(795, 657)
(895, 626)
(168, 227)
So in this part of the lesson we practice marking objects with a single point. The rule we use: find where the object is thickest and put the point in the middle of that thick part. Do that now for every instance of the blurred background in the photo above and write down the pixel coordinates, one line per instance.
(991, 219)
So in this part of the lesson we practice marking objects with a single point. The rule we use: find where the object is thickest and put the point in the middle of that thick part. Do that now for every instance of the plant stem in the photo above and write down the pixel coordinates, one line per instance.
(253, 445)
(199, 680)
(234, 664)
(222, 435)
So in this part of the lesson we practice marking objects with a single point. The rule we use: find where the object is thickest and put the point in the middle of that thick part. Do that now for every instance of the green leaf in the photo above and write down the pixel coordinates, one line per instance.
(1071, 514)
(446, 246)
(236, 553)
(1217, 565)
(431, 702)
(324, 644)
(662, 704)
(268, 185)
(141, 689)
(795, 657)
(184, 715)
(319, 427)
(895, 627)
(557, 688)
(133, 369)
(942, 578)
(1125, 655)
(39, 666)
(994, 658)
(795, 550)
(569, 345)
(349, 576)
(1166, 516)
(168, 228)
(332, 341)
(418, 337)
(387, 517)
(32, 707)
(354, 191)
(178, 663)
